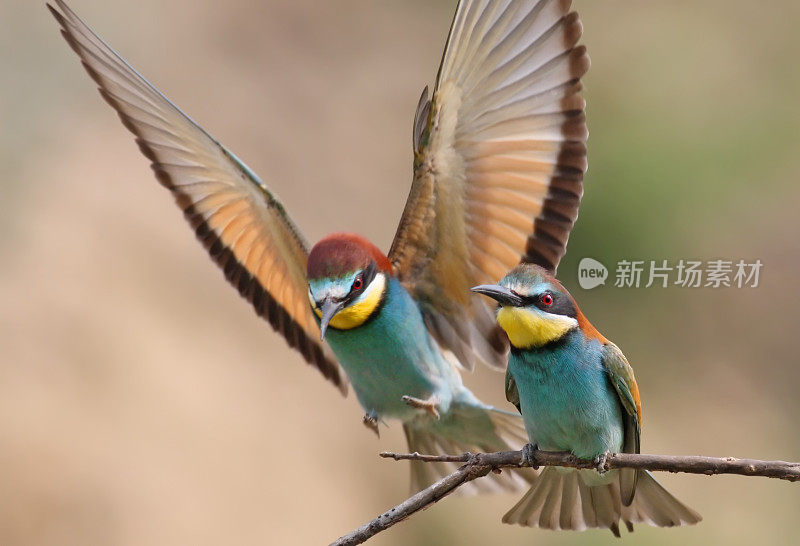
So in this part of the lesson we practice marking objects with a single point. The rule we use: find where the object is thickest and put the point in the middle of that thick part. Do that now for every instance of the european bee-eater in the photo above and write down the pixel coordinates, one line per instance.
(499, 156)
(576, 392)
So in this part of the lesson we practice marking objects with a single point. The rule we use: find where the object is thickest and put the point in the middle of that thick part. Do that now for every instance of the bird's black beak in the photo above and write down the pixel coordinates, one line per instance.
(329, 309)
(501, 294)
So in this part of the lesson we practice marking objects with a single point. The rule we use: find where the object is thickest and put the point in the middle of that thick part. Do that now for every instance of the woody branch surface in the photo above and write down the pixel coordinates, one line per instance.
(478, 465)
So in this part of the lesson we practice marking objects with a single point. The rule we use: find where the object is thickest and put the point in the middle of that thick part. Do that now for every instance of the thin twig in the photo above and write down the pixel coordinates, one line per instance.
(691, 464)
(479, 465)
(417, 502)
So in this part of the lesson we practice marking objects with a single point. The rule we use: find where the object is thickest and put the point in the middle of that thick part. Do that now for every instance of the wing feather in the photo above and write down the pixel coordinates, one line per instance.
(241, 223)
(621, 375)
(499, 165)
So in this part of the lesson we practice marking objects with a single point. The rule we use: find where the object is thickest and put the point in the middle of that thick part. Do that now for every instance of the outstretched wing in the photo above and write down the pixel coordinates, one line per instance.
(241, 223)
(499, 161)
(621, 376)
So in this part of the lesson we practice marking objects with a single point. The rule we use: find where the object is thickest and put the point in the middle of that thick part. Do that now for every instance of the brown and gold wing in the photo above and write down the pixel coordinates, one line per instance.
(241, 223)
(499, 159)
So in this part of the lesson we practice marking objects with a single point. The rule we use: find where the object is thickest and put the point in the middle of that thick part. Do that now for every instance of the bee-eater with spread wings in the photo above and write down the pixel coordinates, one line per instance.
(499, 158)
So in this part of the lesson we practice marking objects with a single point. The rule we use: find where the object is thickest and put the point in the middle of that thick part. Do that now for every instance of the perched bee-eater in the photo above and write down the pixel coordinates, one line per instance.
(499, 156)
(576, 392)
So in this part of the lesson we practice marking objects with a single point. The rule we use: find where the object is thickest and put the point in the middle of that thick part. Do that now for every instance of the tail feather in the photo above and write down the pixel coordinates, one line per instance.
(467, 428)
(606, 510)
(551, 508)
(561, 499)
(589, 517)
(655, 505)
(571, 515)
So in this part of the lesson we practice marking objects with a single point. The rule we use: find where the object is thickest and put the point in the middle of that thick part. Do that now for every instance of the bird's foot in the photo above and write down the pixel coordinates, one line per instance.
(428, 405)
(600, 462)
(370, 421)
(529, 455)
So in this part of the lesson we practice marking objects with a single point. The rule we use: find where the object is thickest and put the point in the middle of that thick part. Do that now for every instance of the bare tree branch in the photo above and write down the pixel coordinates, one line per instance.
(480, 464)
(691, 464)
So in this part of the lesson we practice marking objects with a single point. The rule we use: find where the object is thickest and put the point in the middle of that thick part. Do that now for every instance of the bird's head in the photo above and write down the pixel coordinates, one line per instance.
(535, 309)
(347, 279)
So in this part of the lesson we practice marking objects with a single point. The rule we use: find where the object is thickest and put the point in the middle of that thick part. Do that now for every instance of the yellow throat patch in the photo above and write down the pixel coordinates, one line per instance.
(357, 313)
(527, 329)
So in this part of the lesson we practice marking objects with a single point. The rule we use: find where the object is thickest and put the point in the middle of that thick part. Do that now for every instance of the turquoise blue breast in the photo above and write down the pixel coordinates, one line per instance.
(392, 355)
(566, 398)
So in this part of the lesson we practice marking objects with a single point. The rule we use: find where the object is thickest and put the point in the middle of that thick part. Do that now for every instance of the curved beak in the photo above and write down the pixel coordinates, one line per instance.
(329, 309)
(501, 294)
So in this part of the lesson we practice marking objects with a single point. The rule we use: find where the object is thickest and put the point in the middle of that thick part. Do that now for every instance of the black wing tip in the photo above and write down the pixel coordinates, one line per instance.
(54, 11)
(61, 19)
(62, 12)
(262, 301)
(572, 29)
(543, 254)
(580, 62)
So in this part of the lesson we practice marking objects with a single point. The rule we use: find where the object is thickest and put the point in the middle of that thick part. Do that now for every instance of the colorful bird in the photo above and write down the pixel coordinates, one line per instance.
(499, 155)
(576, 392)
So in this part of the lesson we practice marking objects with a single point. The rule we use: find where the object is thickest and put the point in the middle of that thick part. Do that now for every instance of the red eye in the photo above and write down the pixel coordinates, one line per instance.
(358, 283)
(547, 300)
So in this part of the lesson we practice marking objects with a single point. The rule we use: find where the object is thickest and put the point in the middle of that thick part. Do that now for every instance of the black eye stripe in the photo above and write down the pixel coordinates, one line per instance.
(536, 299)
(367, 276)
(561, 305)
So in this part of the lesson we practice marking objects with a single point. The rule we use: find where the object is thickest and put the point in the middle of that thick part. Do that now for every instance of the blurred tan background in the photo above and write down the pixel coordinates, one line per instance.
(143, 403)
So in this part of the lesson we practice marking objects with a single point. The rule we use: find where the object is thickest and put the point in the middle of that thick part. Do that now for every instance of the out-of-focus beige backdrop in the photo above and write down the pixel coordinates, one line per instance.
(143, 403)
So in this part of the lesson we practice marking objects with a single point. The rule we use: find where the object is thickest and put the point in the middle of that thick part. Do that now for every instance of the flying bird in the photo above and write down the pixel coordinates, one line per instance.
(576, 392)
(498, 161)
